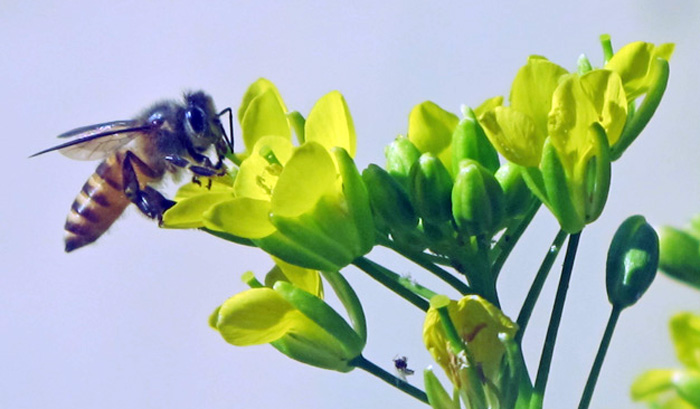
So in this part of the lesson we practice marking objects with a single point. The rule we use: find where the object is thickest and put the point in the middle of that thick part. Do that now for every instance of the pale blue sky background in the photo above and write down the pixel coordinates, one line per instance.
(122, 324)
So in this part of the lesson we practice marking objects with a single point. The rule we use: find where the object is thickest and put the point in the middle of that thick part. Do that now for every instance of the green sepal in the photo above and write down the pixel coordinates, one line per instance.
(301, 350)
(392, 209)
(401, 154)
(291, 251)
(516, 194)
(680, 255)
(633, 258)
(297, 121)
(431, 189)
(558, 193)
(324, 316)
(470, 142)
(477, 200)
(358, 202)
(347, 296)
(328, 239)
(642, 116)
(597, 176)
(437, 395)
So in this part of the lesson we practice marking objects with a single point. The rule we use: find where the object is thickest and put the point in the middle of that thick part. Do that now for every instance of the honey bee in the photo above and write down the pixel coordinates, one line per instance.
(166, 138)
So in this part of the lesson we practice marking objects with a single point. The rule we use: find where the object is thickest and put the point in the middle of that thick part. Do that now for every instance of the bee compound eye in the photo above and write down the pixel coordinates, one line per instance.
(196, 119)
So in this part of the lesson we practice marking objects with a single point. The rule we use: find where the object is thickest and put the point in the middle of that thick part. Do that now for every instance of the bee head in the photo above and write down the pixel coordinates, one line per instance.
(201, 122)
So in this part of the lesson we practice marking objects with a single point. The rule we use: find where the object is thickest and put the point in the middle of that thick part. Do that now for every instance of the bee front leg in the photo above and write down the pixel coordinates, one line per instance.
(206, 170)
(150, 201)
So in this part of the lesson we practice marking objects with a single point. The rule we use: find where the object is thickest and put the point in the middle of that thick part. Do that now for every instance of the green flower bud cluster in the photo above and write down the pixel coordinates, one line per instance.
(440, 196)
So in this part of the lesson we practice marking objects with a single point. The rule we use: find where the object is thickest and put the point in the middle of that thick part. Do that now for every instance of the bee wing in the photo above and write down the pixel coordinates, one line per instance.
(98, 141)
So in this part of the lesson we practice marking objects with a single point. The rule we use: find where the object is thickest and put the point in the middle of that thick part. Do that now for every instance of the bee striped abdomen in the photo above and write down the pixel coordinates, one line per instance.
(100, 202)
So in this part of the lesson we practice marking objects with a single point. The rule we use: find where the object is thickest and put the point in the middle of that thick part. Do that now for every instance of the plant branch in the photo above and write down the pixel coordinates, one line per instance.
(537, 284)
(599, 358)
(406, 288)
(363, 363)
(423, 261)
(554, 321)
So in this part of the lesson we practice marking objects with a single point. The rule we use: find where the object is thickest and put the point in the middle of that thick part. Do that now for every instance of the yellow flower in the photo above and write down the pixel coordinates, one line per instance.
(560, 127)
(290, 314)
(305, 204)
(478, 324)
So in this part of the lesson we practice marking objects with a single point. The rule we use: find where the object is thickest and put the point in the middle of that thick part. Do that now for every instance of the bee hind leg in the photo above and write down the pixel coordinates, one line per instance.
(151, 202)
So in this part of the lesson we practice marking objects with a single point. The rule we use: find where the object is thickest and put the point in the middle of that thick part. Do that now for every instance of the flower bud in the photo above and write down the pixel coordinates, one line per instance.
(516, 194)
(470, 142)
(401, 154)
(393, 212)
(431, 189)
(680, 255)
(477, 200)
(633, 258)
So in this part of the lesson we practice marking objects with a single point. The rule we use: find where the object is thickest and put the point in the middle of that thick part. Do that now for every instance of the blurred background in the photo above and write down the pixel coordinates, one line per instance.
(123, 323)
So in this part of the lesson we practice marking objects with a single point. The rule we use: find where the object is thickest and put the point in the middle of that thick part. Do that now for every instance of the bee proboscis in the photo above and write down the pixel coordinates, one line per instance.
(166, 138)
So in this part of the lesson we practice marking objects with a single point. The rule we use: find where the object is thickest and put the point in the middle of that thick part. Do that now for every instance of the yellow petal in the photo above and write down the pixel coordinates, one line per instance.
(242, 216)
(531, 92)
(488, 105)
(604, 88)
(308, 175)
(514, 135)
(303, 278)
(256, 316)
(265, 115)
(256, 178)
(430, 129)
(188, 213)
(218, 185)
(633, 63)
(570, 120)
(256, 89)
(330, 123)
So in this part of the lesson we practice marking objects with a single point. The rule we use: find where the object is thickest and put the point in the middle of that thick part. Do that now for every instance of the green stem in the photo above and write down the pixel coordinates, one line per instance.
(554, 321)
(421, 260)
(599, 358)
(412, 292)
(537, 284)
(510, 238)
(362, 363)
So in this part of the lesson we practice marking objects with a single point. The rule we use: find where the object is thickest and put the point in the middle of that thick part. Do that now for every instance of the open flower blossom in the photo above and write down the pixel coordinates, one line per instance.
(563, 126)
(289, 313)
(305, 204)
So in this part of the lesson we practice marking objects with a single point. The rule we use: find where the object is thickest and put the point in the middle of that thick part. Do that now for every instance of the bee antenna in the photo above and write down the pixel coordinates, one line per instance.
(229, 141)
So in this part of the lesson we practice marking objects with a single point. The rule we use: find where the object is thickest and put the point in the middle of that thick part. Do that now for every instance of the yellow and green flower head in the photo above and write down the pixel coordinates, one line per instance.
(305, 204)
(478, 324)
(289, 313)
(564, 128)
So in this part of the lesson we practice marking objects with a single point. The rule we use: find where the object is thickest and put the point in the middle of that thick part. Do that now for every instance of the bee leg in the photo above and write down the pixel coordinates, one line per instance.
(150, 201)
(206, 169)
